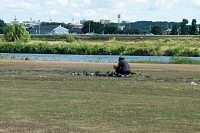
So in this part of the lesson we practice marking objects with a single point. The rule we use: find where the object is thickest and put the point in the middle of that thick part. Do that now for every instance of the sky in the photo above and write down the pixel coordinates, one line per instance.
(72, 11)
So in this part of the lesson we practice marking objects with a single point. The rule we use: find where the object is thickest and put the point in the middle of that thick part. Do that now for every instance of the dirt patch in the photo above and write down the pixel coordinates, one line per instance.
(92, 66)
(4, 131)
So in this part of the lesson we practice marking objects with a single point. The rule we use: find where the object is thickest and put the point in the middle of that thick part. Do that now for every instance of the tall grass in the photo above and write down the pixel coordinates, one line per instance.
(173, 60)
(158, 47)
(183, 60)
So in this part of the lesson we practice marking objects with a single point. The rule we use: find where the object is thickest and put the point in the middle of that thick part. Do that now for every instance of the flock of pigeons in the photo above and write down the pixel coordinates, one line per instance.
(108, 74)
(113, 74)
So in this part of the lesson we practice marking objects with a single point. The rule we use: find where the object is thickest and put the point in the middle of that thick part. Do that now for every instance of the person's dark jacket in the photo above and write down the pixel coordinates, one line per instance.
(123, 67)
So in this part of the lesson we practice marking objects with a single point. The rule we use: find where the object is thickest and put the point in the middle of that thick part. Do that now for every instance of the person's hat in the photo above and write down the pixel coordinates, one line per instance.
(121, 58)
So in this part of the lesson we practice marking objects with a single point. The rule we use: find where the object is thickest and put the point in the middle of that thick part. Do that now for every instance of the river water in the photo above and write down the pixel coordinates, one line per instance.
(84, 58)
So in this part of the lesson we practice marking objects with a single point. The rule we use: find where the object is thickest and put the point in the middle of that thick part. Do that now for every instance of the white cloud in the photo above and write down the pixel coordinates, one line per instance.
(90, 14)
(76, 15)
(74, 4)
(49, 2)
(139, 1)
(163, 4)
(26, 5)
(53, 13)
(100, 9)
(120, 5)
(56, 2)
(87, 2)
(13, 4)
(63, 2)
(196, 2)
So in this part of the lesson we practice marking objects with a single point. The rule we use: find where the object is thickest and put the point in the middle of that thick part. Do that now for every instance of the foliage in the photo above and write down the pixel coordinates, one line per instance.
(199, 28)
(129, 31)
(70, 38)
(151, 46)
(48, 37)
(139, 27)
(145, 26)
(184, 27)
(193, 28)
(110, 28)
(68, 26)
(156, 30)
(92, 27)
(174, 30)
(182, 60)
(2, 26)
(97, 27)
(16, 32)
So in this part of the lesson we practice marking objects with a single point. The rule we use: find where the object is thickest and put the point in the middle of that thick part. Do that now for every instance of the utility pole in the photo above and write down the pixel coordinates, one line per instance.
(89, 26)
(39, 26)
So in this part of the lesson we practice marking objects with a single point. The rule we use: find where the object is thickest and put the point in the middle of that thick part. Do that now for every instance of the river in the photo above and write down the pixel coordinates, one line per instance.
(84, 58)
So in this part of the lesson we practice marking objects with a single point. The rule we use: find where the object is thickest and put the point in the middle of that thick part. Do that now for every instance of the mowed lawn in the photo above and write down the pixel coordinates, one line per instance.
(43, 97)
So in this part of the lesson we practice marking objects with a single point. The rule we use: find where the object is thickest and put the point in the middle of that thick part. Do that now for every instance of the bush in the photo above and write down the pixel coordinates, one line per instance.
(16, 32)
(97, 48)
(70, 38)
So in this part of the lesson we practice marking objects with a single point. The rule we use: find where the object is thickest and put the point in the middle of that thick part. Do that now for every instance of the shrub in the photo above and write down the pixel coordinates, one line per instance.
(16, 32)
(70, 38)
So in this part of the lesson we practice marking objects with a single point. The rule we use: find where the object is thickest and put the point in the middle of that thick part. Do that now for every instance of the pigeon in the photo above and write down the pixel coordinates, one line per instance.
(193, 83)
(148, 76)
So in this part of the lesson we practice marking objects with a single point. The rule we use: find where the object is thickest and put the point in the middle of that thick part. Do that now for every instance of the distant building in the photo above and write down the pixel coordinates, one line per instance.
(83, 21)
(121, 27)
(167, 32)
(102, 21)
(76, 29)
(49, 29)
(31, 23)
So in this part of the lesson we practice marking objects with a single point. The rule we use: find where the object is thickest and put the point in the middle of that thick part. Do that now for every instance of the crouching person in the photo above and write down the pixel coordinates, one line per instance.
(123, 67)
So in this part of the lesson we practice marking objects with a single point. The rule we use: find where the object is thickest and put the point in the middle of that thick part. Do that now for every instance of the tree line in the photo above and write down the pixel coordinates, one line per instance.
(181, 28)
(185, 29)
(110, 28)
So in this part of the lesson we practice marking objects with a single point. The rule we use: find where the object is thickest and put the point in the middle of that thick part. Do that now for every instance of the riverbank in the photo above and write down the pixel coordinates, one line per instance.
(140, 46)
(43, 96)
(101, 58)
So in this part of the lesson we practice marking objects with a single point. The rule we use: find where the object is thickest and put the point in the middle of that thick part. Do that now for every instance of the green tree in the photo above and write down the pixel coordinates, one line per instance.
(67, 26)
(199, 29)
(2, 26)
(111, 28)
(94, 27)
(174, 30)
(129, 31)
(156, 30)
(193, 28)
(184, 27)
(16, 32)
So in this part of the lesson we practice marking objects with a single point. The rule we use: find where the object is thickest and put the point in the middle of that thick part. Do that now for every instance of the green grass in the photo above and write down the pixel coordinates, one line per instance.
(173, 60)
(138, 46)
(183, 60)
(46, 98)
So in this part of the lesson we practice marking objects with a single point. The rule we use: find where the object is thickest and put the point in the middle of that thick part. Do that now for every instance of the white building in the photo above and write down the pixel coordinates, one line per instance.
(49, 29)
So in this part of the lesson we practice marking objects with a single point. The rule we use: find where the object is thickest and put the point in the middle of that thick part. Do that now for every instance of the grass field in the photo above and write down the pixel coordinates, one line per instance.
(42, 97)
